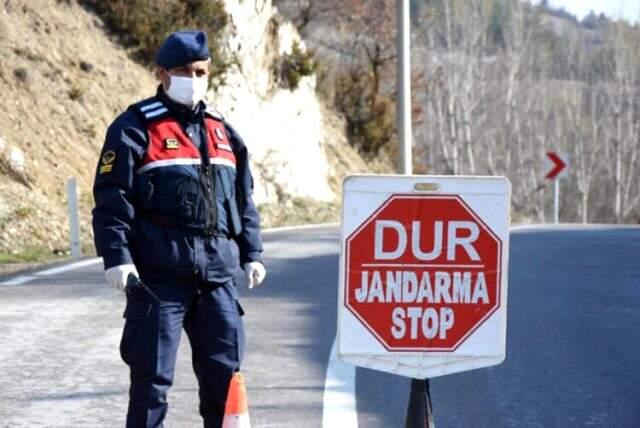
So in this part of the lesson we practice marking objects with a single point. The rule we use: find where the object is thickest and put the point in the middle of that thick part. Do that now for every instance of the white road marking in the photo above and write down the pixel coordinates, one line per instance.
(18, 280)
(68, 267)
(22, 279)
(339, 401)
(76, 265)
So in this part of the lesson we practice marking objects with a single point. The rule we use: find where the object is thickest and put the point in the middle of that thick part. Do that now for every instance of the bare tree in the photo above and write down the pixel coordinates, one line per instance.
(504, 83)
(622, 140)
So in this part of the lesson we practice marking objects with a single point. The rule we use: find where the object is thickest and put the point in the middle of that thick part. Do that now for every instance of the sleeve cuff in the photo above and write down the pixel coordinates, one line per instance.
(253, 256)
(116, 258)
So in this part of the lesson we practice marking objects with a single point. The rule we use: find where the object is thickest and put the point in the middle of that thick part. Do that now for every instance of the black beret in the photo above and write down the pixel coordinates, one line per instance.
(183, 47)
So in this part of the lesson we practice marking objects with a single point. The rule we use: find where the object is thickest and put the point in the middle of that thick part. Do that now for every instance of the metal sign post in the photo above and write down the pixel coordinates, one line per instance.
(419, 387)
(404, 87)
(556, 201)
(420, 412)
(556, 167)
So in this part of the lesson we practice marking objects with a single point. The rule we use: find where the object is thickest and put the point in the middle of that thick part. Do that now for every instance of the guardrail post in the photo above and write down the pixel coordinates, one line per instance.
(74, 222)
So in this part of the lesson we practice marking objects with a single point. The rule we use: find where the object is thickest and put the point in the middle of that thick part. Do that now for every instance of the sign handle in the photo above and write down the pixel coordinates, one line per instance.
(556, 200)
(420, 412)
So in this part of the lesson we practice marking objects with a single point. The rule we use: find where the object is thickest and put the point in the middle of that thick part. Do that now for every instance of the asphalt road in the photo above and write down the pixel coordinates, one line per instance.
(572, 350)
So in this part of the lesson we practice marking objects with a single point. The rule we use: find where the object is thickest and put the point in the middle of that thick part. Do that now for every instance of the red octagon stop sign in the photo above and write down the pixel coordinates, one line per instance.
(422, 272)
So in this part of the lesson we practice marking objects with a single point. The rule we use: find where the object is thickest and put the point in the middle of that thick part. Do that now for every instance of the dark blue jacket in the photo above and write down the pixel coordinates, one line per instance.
(157, 214)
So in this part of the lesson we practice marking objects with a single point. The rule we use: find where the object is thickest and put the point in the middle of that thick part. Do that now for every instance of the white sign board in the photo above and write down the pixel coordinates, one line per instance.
(423, 273)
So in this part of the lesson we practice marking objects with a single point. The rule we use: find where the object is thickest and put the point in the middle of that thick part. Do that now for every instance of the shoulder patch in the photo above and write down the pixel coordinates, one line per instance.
(106, 161)
(213, 113)
(108, 157)
(104, 169)
(152, 108)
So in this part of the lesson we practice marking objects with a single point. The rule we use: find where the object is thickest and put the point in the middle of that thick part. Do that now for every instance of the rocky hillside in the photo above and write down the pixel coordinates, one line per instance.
(63, 78)
(290, 135)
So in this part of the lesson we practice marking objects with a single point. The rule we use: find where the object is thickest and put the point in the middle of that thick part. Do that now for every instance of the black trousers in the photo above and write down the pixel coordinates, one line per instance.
(212, 318)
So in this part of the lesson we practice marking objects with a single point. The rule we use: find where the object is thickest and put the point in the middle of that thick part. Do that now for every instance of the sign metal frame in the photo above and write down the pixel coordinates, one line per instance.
(483, 196)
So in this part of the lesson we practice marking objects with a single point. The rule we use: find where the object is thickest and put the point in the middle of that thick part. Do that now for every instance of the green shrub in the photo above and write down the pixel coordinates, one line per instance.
(23, 213)
(296, 65)
(370, 118)
(144, 24)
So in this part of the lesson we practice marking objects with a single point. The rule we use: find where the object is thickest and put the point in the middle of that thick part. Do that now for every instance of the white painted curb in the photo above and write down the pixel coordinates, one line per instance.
(339, 399)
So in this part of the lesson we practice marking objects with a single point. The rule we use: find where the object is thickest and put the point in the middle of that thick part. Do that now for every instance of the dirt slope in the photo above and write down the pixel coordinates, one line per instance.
(62, 80)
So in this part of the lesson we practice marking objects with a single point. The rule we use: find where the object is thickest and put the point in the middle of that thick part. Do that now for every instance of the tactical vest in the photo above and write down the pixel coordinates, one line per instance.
(179, 186)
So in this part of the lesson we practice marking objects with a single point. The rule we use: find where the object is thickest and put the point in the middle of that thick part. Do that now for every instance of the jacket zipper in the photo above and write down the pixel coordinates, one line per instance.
(209, 186)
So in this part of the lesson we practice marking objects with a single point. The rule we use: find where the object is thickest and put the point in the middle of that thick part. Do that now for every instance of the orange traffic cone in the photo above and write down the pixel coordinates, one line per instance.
(236, 412)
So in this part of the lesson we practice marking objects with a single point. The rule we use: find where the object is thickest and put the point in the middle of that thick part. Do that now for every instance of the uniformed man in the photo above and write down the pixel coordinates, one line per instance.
(174, 210)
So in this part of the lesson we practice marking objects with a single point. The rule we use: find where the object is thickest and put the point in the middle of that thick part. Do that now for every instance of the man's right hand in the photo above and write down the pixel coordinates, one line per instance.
(117, 275)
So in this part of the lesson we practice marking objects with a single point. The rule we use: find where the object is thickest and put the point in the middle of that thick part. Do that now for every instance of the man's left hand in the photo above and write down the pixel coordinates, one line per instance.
(255, 273)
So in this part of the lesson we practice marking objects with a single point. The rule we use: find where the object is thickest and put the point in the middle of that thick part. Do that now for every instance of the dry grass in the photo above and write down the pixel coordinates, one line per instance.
(298, 211)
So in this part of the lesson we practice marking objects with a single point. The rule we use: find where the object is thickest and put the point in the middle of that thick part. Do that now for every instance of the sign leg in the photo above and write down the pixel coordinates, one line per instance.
(420, 412)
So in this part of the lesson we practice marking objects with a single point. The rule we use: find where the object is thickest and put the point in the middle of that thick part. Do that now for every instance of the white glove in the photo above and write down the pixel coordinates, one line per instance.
(117, 275)
(255, 273)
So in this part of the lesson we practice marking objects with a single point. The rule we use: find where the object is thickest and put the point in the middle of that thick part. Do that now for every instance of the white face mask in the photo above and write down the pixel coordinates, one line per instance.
(186, 90)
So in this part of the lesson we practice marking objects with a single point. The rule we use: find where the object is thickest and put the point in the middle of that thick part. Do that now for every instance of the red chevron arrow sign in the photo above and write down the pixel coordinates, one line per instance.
(556, 165)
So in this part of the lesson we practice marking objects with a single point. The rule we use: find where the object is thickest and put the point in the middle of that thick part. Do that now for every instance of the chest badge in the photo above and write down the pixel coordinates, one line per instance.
(171, 144)
(219, 134)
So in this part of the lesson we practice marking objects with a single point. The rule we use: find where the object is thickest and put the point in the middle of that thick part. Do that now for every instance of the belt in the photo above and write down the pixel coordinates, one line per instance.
(166, 221)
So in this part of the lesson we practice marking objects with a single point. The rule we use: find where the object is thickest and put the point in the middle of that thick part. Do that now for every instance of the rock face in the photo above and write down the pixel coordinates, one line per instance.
(284, 129)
